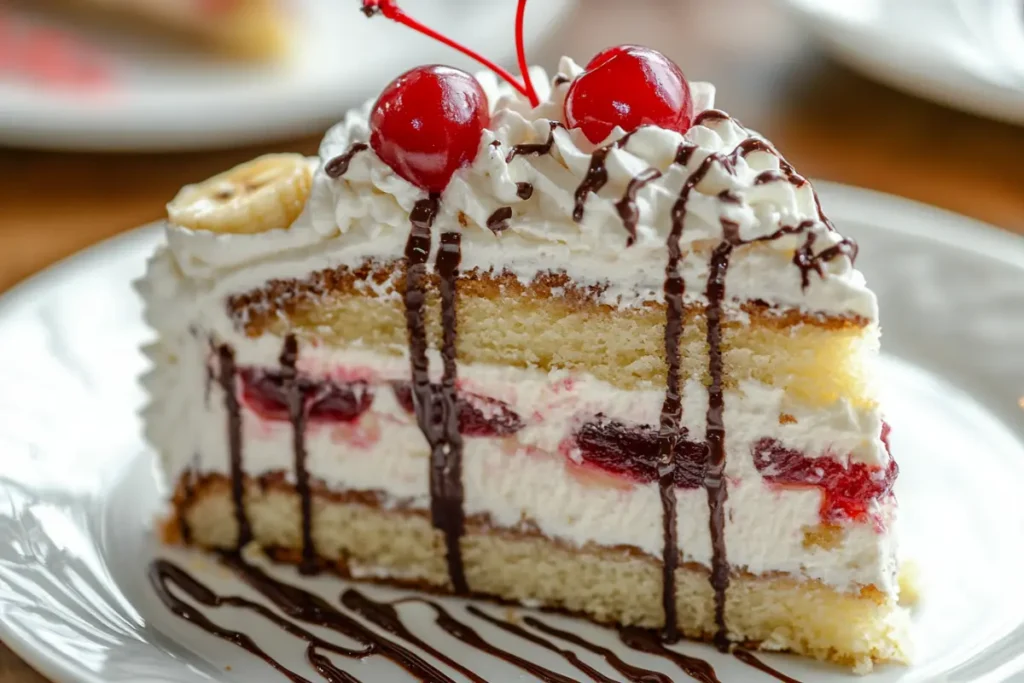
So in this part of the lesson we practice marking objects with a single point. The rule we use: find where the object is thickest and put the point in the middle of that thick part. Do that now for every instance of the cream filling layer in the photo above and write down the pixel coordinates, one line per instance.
(527, 476)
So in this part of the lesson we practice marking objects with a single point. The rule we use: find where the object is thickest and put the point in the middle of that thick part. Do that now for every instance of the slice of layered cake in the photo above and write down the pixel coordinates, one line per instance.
(611, 358)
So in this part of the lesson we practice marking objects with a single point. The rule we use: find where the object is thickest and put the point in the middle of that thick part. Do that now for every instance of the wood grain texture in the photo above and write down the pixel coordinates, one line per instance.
(828, 121)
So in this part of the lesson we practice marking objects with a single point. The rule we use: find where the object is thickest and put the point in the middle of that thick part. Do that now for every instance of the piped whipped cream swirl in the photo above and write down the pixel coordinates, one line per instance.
(364, 213)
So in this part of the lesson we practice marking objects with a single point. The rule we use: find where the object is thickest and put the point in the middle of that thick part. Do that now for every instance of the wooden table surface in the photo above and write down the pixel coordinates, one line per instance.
(828, 121)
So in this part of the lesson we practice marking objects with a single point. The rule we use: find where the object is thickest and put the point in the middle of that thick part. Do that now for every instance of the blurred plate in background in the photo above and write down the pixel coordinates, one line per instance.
(967, 54)
(162, 98)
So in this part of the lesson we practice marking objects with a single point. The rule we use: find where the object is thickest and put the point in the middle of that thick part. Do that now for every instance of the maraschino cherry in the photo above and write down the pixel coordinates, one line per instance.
(427, 124)
(628, 86)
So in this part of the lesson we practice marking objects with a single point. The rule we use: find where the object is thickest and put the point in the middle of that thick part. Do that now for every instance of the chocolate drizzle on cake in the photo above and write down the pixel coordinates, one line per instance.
(597, 176)
(338, 166)
(499, 220)
(228, 383)
(188, 496)
(626, 206)
(534, 149)
(714, 477)
(437, 410)
(672, 408)
(524, 190)
(446, 462)
(297, 417)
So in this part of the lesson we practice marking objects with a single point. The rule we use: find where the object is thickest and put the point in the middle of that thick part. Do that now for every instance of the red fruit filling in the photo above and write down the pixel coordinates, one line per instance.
(478, 415)
(633, 451)
(265, 393)
(847, 490)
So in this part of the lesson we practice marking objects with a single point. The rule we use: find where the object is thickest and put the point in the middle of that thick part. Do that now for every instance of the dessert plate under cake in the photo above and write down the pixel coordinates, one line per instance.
(72, 554)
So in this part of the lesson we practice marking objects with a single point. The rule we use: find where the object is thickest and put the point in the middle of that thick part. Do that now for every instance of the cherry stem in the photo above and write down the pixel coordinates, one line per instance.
(524, 67)
(391, 10)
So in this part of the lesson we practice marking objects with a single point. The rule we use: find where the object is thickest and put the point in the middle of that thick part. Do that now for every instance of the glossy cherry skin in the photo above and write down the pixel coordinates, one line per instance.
(629, 86)
(427, 124)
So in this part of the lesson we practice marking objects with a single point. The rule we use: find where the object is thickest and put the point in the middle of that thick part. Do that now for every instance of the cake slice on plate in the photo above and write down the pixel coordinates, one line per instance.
(614, 360)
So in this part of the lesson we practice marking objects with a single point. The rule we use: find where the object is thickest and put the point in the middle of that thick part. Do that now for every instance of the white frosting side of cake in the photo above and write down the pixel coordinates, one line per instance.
(366, 213)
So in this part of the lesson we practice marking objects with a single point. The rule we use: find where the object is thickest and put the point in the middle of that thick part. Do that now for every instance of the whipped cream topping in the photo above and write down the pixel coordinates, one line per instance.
(365, 212)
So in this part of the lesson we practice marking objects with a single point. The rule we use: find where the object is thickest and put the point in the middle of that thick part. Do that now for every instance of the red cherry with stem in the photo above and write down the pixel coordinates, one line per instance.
(629, 86)
(427, 124)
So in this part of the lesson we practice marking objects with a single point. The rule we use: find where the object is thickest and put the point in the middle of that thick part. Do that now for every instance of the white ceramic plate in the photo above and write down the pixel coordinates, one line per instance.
(967, 54)
(78, 495)
(164, 99)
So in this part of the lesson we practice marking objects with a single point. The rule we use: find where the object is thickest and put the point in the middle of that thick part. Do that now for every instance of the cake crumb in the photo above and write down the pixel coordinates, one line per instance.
(824, 536)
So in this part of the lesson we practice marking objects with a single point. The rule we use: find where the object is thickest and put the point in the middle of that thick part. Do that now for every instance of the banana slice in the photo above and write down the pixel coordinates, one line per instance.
(264, 194)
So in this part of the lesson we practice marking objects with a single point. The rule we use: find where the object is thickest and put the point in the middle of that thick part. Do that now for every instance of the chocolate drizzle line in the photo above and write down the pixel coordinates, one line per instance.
(534, 149)
(634, 674)
(470, 637)
(748, 658)
(597, 176)
(626, 206)
(714, 478)
(338, 166)
(648, 642)
(184, 528)
(163, 573)
(446, 462)
(307, 607)
(385, 616)
(437, 411)
(297, 416)
(498, 220)
(228, 372)
(672, 408)
(521, 632)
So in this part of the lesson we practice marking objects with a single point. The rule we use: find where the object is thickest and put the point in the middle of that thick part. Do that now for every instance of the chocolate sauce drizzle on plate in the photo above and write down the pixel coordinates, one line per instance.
(649, 642)
(748, 658)
(300, 606)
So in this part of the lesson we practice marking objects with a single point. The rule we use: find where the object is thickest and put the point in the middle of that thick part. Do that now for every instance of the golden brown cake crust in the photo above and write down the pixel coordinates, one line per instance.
(259, 308)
